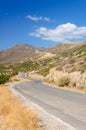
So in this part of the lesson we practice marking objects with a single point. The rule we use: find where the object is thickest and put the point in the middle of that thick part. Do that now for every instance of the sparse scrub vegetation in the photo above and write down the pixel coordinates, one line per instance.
(81, 49)
(1, 68)
(83, 69)
(64, 81)
(4, 78)
(69, 58)
(45, 70)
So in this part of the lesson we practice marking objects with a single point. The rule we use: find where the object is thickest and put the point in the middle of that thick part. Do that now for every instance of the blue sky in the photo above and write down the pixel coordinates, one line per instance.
(41, 23)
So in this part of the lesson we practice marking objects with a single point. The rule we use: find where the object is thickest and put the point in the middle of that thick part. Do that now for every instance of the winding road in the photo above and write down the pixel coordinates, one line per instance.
(66, 105)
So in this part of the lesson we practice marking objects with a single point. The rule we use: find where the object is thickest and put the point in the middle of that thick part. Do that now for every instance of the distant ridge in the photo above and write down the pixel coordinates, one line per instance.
(17, 53)
(25, 52)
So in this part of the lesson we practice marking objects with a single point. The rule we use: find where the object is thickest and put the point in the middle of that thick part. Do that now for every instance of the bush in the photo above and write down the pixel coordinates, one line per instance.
(64, 80)
(4, 78)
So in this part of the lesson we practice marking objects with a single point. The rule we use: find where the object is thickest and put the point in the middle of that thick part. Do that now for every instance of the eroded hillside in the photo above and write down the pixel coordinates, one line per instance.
(67, 58)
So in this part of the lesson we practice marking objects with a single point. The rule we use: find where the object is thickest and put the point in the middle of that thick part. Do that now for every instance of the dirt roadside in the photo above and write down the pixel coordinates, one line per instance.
(52, 84)
(13, 114)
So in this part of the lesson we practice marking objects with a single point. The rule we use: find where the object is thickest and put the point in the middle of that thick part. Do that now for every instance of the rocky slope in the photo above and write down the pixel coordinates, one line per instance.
(25, 52)
(68, 68)
(66, 58)
(71, 79)
(66, 47)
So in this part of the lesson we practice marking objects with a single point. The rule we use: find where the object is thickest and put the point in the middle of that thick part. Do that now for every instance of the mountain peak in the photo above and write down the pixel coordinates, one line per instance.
(17, 53)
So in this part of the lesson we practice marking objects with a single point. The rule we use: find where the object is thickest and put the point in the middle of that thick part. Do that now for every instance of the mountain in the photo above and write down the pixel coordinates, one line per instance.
(21, 53)
(52, 63)
(68, 58)
(66, 47)
(17, 53)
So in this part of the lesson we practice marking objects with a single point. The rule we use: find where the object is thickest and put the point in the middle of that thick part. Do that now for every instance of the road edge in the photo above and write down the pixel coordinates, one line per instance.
(46, 119)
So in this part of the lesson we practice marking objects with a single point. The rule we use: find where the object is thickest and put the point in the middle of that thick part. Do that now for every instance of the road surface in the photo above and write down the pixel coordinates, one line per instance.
(66, 105)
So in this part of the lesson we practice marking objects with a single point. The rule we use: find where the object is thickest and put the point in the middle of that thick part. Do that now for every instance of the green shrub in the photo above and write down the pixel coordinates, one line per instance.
(4, 78)
(64, 80)
(83, 69)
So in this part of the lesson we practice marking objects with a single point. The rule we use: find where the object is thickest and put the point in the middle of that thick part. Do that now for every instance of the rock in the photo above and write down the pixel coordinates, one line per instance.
(77, 79)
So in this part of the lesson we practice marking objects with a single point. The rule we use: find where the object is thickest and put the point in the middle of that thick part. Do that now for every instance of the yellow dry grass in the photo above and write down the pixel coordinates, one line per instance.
(14, 115)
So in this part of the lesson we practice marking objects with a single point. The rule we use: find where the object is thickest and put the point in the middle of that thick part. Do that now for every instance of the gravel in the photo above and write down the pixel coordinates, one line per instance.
(46, 120)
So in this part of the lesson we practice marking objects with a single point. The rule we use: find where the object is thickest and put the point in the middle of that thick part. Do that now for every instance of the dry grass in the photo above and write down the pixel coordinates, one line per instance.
(13, 115)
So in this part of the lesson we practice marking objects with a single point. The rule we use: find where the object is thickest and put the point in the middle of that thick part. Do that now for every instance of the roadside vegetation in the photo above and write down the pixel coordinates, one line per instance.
(13, 115)
(4, 78)
(63, 81)
(8, 71)
(66, 60)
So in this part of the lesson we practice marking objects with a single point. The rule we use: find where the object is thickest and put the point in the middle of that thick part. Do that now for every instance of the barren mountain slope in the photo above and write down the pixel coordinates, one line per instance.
(17, 53)
(24, 52)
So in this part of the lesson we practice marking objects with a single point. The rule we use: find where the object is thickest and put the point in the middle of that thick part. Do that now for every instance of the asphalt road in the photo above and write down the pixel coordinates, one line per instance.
(66, 105)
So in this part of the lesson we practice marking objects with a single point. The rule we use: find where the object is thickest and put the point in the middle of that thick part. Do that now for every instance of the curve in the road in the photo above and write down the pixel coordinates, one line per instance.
(67, 105)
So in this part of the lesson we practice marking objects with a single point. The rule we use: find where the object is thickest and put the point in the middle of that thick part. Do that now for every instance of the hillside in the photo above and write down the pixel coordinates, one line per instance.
(17, 53)
(70, 57)
(60, 48)
(73, 54)
(25, 52)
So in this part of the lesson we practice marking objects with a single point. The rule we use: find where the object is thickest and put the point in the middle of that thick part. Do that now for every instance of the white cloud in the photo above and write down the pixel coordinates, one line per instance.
(34, 18)
(62, 33)
(46, 19)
